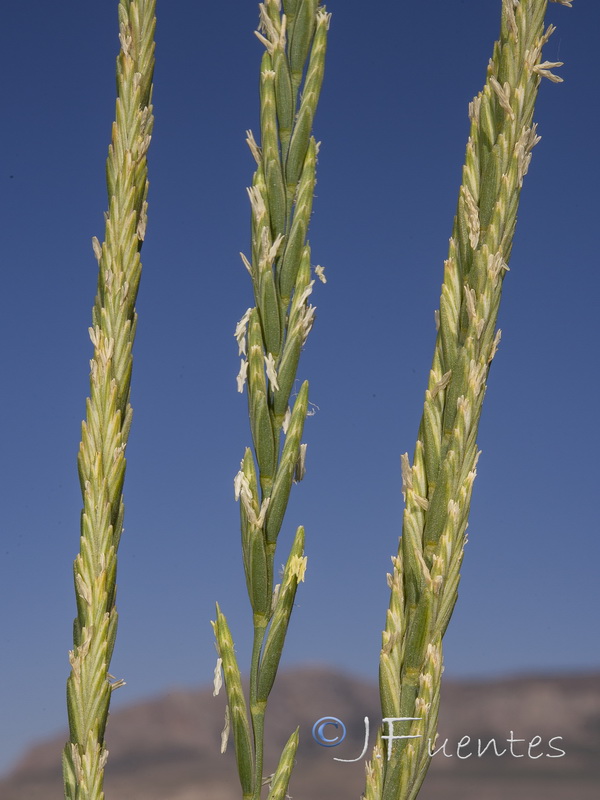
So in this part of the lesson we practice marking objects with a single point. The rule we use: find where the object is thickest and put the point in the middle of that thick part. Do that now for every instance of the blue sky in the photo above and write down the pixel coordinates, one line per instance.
(393, 125)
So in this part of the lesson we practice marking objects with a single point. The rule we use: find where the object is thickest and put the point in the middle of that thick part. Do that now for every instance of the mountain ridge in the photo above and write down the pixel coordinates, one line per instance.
(168, 747)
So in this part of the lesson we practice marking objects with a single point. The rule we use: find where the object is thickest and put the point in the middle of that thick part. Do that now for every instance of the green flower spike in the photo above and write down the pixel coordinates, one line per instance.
(437, 487)
(270, 338)
(101, 460)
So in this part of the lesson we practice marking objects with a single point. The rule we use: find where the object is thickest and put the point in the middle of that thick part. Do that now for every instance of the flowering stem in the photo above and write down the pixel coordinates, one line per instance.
(437, 487)
(270, 337)
(101, 459)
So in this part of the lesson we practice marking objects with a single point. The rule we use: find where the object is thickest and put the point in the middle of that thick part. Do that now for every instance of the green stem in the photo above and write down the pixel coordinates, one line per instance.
(257, 708)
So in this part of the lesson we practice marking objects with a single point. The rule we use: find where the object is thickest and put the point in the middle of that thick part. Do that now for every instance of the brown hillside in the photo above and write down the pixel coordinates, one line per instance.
(168, 748)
